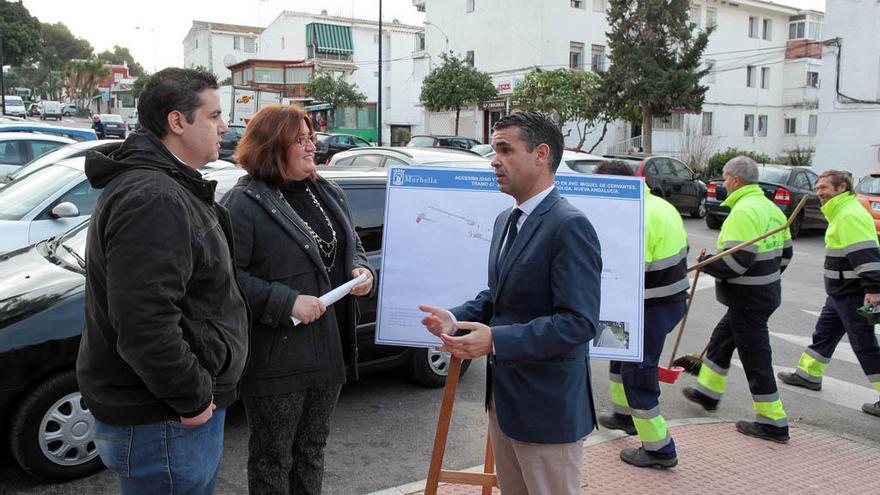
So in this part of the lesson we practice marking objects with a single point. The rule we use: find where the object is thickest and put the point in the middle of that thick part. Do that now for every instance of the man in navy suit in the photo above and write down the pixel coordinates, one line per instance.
(536, 319)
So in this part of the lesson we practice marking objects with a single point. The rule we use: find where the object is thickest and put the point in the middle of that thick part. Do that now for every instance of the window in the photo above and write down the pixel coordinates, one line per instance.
(765, 77)
(801, 181)
(387, 97)
(367, 214)
(83, 196)
(38, 148)
(767, 30)
(812, 79)
(597, 58)
(680, 169)
(282, 42)
(751, 74)
(250, 45)
(578, 4)
(670, 122)
(576, 55)
(598, 5)
(271, 75)
(469, 6)
(711, 17)
(247, 76)
(13, 153)
(298, 75)
(762, 125)
(753, 26)
(236, 42)
(236, 78)
(707, 123)
(694, 15)
(420, 41)
(749, 125)
(815, 27)
(709, 78)
(790, 126)
(469, 58)
(196, 43)
(813, 125)
(797, 27)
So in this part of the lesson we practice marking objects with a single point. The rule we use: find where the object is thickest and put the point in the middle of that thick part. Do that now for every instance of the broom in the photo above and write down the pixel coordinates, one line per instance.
(684, 361)
(689, 362)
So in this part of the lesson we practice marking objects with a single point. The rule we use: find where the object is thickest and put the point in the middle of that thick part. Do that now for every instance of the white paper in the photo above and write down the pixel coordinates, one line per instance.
(438, 227)
(337, 293)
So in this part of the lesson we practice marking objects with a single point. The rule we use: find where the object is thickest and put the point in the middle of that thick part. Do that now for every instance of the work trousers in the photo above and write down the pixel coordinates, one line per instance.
(839, 318)
(640, 384)
(745, 331)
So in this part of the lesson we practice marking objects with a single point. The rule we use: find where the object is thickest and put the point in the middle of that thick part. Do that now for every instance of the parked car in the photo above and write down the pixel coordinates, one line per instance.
(572, 161)
(483, 149)
(383, 157)
(868, 192)
(18, 148)
(68, 109)
(33, 109)
(785, 185)
(442, 142)
(50, 110)
(330, 144)
(133, 124)
(14, 106)
(62, 152)
(75, 133)
(670, 179)
(43, 319)
(229, 142)
(113, 125)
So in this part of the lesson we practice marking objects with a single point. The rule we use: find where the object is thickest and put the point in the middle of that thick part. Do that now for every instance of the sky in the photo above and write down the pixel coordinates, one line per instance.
(154, 29)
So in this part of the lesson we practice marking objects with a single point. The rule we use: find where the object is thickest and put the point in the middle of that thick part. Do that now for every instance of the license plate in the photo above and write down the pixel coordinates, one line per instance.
(875, 205)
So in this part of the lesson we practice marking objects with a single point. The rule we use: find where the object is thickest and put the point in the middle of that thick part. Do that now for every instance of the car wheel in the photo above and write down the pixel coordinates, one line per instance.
(796, 225)
(713, 222)
(429, 367)
(700, 210)
(52, 431)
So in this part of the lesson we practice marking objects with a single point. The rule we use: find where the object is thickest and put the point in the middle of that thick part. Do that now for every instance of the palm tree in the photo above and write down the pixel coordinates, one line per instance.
(82, 78)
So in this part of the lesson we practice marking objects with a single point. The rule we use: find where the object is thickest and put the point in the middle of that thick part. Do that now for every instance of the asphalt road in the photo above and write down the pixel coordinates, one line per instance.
(384, 425)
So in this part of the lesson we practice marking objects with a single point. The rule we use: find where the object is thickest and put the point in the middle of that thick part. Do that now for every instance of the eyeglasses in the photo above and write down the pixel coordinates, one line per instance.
(304, 139)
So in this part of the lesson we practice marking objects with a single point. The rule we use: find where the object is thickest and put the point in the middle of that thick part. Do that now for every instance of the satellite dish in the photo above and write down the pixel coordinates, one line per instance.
(229, 60)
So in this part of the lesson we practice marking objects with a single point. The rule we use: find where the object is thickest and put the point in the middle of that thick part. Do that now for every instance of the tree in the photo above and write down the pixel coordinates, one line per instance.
(19, 34)
(83, 77)
(655, 59)
(119, 56)
(60, 45)
(454, 84)
(138, 87)
(326, 88)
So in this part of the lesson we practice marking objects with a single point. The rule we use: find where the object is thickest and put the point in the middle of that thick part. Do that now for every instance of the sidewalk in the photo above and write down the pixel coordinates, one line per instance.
(714, 458)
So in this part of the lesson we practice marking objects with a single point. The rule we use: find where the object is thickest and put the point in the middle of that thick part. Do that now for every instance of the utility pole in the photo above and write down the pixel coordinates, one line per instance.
(379, 104)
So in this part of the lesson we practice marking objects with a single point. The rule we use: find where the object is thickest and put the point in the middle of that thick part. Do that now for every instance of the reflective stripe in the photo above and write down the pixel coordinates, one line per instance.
(711, 380)
(769, 255)
(808, 377)
(760, 280)
(867, 267)
(651, 427)
(655, 446)
(770, 412)
(622, 410)
(766, 397)
(667, 290)
(615, 377)
(834, 253)
(817, 356)
(714, 367)
(875, 381)
(733, 265)
(811, 365)
(784, 261)
(787, 243)
(729, 244)
(709, 393)
(859, 246)
(646, 413)
(673, 260)
(780, 423)
(840, 274)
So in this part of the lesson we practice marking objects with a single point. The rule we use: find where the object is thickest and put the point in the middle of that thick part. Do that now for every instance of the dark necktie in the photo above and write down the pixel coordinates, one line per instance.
(511, 229)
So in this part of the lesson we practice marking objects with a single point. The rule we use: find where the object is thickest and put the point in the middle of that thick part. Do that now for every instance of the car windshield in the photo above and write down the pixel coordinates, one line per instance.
(110, 117)
(774, 175)
(321, 137)
(44, 161)
(583, 166)
(71, 246)
(20, 197)
(421, 141)
(869, 185)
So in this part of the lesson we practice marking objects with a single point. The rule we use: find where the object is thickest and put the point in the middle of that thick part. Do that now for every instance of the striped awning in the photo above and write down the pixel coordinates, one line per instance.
(329, 38)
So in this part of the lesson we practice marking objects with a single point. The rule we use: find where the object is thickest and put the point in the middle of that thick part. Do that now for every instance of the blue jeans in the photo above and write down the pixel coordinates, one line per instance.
(163, 458)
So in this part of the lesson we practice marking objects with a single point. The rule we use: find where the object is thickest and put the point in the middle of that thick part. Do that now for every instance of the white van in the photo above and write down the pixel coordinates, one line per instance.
(14, 106)
(50, 110)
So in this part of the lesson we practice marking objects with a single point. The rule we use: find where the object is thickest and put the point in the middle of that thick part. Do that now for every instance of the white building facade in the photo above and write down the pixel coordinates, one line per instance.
(215, 46)
(848, 135)
(760, 96)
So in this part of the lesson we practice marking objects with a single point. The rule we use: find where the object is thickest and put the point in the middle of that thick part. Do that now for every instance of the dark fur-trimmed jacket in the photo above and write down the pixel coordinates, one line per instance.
(277, 261)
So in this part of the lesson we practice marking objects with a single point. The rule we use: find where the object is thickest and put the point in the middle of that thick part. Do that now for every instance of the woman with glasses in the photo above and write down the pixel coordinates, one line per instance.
(294, 240)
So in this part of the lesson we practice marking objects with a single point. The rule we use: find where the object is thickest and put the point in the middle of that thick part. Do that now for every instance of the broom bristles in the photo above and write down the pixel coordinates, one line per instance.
(690, 363)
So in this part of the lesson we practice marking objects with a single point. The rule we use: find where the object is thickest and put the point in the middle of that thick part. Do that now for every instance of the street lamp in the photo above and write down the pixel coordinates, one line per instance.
(140, 28)
(428, 23)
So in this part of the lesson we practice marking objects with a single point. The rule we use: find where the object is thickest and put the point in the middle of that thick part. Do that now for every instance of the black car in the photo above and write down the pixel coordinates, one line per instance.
(785, 185)
(670, 179)
(442, 142)
(49, 427)
(113, 125)
(330, 144)
(229, 142)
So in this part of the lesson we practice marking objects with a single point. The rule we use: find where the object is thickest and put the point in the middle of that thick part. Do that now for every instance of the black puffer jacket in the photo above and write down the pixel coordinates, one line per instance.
(166, 322)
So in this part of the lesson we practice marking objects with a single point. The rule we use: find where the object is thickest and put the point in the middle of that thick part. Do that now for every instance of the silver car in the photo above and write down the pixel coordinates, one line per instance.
(375, 157)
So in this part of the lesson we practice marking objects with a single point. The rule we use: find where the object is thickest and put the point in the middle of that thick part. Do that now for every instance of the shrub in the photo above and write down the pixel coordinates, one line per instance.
(716, 163)
(798, 156)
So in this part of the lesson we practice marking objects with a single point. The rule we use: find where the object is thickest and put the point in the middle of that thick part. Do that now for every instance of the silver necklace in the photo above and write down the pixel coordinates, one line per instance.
(327, 248)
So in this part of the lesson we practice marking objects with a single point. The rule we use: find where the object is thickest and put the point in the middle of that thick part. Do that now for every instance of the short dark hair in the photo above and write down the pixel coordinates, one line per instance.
(535, 128)
(262, 151)
(169, 90)
(613, 167)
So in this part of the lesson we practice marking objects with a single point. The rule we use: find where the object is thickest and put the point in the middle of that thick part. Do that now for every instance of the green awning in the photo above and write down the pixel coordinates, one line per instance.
(319, 106)
(329, 38)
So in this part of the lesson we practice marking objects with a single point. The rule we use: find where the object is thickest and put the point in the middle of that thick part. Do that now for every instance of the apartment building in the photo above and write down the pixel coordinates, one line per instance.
(215, 46)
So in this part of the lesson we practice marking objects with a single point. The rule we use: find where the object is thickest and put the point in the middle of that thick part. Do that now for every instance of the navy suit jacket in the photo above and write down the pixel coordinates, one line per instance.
(543, 307)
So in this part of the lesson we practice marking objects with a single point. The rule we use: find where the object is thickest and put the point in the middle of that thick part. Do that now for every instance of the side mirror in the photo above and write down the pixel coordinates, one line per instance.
(65, 210)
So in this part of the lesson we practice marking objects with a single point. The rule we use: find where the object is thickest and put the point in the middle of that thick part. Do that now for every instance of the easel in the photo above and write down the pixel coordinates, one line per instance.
(436, 473)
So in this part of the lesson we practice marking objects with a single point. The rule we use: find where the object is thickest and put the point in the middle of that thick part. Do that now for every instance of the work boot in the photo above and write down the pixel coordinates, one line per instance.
(642, 458)
(700, 398)
(872, 409)
(616, 421)
(753, 429)
(797, 381)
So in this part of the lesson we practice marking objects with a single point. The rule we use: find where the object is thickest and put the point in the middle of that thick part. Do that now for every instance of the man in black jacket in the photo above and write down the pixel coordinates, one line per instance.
(165, 338)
